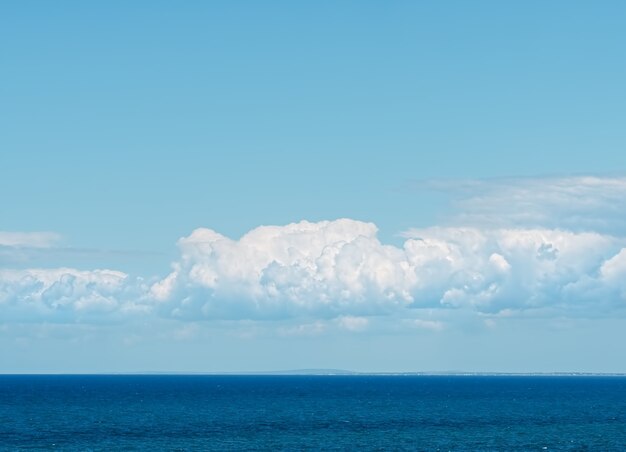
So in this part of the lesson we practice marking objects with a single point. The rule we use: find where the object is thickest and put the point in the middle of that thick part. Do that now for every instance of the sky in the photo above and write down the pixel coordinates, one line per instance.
(258, 186)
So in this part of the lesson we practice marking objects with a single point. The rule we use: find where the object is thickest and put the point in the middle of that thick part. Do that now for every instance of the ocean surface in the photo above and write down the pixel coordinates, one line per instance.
(201, 412)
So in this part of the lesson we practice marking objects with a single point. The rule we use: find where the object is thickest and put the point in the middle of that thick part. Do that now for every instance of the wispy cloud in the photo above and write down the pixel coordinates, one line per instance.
(37, 256)
(576, 203)
(432, 325)
(352, 323)
(28, 239)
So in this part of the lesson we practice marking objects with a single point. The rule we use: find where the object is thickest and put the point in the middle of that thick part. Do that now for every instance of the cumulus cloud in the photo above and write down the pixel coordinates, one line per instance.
(340, 269)
(66, 294)
(327, 268)
(516, 248)
(497, 269)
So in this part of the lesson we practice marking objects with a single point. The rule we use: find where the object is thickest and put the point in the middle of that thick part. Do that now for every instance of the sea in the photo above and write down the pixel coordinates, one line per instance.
(312, 412)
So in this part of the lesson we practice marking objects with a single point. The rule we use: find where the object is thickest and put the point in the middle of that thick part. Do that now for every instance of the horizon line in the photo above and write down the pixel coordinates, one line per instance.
(322, 373)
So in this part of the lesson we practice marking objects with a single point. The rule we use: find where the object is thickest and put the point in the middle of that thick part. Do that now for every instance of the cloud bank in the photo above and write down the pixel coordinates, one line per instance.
(339, 270)
(340, 267)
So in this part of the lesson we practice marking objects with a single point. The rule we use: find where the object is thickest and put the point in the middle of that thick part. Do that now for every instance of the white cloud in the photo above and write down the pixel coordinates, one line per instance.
(327, 268)
(432, 325)
(339, 271)
(340, 268)
(67, 294)
(29, 239)
(577, 203)
(614, 269)
(306, 329)
(352, 323)
(534, 268)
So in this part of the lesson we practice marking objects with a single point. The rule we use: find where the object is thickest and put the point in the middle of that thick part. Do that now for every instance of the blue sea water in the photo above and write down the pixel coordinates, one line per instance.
(156, 412)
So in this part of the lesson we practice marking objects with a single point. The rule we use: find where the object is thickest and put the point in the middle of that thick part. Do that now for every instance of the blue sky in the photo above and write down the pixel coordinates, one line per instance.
(475, 151)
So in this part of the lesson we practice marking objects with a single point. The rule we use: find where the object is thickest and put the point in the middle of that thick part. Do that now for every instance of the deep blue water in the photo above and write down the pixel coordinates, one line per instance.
(312, 412)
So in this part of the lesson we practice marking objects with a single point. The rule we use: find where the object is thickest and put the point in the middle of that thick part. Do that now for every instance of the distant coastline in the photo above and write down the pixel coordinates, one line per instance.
(331, 373)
